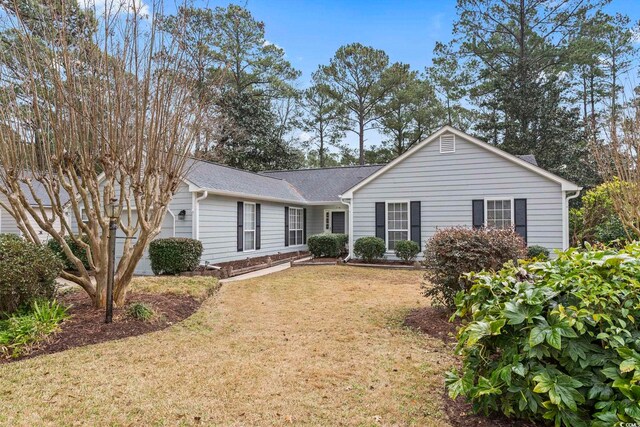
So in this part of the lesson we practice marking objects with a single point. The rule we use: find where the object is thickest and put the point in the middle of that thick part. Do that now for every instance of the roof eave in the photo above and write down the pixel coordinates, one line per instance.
(195, 188)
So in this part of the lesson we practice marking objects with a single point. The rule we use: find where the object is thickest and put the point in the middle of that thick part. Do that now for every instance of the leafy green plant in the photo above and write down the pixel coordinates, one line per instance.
(77, 250)
(451, 252)
(27, 272)
(407, 250)
(141, 311)
(174, 255)
(326, 244)
(23, 331)
(554, 340)
(369, 248)
(538, 252)
(596, 221)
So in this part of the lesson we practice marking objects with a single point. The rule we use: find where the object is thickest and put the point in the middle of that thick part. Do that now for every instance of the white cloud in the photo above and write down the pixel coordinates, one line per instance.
(304, 136)
(113, 7)
(268, 43)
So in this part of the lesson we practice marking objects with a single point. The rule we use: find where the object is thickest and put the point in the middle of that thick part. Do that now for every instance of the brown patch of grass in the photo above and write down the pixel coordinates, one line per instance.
(309, 345)
(198, 287)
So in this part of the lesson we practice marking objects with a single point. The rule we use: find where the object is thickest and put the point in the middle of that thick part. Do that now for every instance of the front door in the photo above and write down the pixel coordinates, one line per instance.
(338, 222)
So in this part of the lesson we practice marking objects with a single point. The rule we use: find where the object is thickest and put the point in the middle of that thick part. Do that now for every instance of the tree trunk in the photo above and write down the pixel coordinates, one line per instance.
(361, 140)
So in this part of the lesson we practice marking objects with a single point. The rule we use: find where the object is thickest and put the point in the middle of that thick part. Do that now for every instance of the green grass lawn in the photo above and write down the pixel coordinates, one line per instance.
(309, 345)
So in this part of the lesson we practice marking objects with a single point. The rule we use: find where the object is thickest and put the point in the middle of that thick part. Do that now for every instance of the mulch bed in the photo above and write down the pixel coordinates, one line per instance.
(380, 262)
(252, 262)
(434, 321)
(86, 324)
(322, 260)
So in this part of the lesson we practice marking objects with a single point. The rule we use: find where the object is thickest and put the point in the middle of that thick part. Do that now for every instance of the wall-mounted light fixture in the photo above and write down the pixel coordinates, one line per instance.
(182, 215)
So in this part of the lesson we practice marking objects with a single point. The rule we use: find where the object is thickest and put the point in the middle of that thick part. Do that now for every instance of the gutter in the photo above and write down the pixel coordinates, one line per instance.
(565, 217)
(350, 204)
(196, 215)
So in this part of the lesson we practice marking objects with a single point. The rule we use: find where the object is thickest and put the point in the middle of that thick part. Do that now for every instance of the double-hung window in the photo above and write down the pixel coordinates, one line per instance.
(397, 223)
(249, 226)
(296, 226)
(498, 213)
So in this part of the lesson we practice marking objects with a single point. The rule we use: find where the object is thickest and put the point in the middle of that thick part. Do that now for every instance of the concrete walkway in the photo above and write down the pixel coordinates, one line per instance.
(257, 273)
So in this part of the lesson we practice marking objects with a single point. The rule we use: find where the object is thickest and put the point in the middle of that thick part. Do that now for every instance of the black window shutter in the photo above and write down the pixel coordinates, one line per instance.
(240, 226)
(415, 223)
(380, 228)
(478, 213)
(257, 226)
(304, 226)
(286, 225)
(520, 217)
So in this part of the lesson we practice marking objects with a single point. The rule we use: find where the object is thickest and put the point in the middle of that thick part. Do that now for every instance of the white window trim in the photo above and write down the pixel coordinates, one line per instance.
(291, 208)
(244, 228)
(330, 212)
(498, 199)
(386, 221)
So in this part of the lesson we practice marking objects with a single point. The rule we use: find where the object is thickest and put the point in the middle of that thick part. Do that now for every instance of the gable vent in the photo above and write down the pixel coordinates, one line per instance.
(448, 143)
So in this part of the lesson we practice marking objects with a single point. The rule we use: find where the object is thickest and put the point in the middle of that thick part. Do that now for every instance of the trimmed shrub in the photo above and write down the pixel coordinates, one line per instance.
(76, 249)
(554, 341)
(369, 248)
(454, 251)
(27, 272)
(20, 333)
(326, 244)
(407, 250)
(174, 255)
(538, 252)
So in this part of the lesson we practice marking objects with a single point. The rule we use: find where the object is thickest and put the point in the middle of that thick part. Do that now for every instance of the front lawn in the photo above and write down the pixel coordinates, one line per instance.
(310, 345)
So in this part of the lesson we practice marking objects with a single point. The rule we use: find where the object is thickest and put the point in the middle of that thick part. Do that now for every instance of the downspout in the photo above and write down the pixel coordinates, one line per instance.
(565, 215)
(174, 222)
(196, 216)
(350, 254)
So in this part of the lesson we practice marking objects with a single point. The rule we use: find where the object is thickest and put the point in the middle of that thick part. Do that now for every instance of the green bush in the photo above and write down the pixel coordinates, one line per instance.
(27, 272)
(21, 332)
(369, 248)
(538, 252)
(454, 251)
(326, 244)
(407, 250)
(76, 249)
(140, 311)
(174, 255)
(555, 340)
(596, 221)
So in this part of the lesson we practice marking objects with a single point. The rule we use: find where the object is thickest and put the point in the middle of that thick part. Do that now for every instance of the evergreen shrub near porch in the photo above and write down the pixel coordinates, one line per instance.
(174, 255)
(369, 248)
(28, 272)
(327, 244)
(555, 340)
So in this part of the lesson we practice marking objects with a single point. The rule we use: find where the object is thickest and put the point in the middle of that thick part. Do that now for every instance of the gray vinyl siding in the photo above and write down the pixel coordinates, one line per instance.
(8, 224)
(218, 229)
(182, 200)
(446, 184)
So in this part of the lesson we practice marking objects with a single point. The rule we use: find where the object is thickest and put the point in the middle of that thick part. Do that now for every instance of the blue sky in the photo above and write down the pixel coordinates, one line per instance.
(311, 31)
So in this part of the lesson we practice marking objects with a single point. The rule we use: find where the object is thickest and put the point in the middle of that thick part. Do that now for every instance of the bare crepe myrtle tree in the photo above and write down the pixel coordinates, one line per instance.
(97, 107)
(617, 159)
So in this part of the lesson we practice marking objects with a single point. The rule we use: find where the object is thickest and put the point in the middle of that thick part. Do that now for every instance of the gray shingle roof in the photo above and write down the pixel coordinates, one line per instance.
(529, 158)
(40, 193)
(324, 184)
(213, 176)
